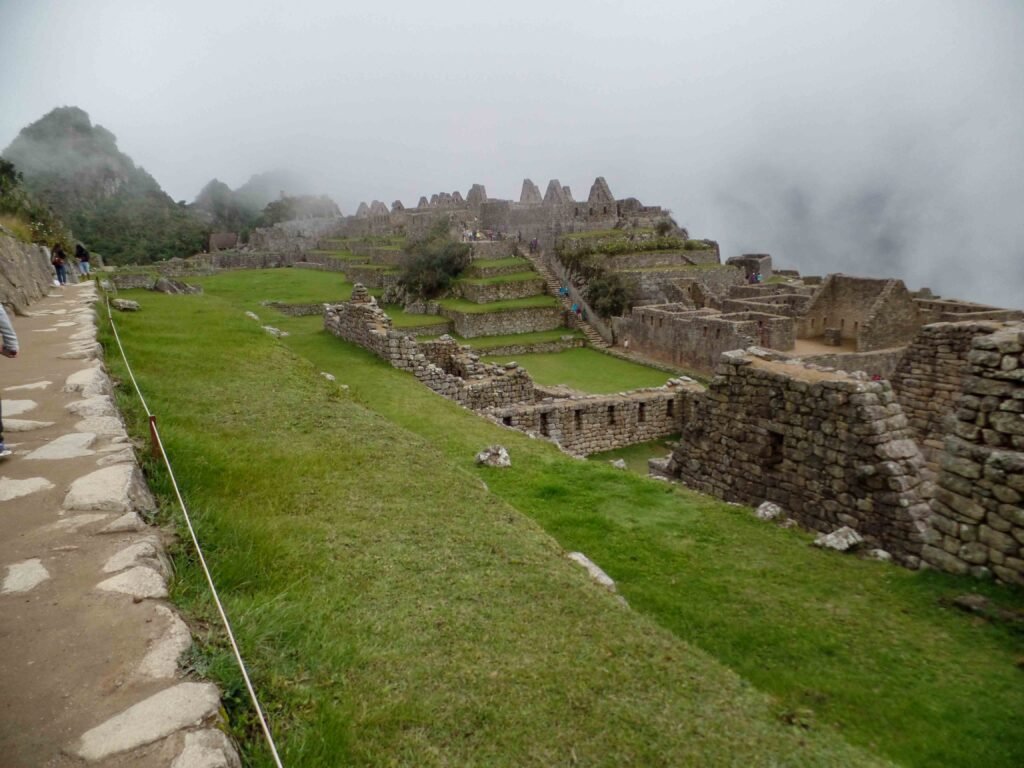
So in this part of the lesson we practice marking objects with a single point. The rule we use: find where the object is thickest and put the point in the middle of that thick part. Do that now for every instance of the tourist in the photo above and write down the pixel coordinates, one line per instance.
(58, 260)
(9, 348)
(83, 259)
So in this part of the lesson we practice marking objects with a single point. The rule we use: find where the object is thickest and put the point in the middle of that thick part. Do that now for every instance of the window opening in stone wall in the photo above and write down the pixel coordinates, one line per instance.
(661, 321)
(705, 331)
(577, 419)
(591, 211)
(611, 414)
(641, 414)
(506, 420)
(718, 333)
(544, 424)
(856, 326)
(670, 408)
(842, 323)
(606, 210)
(774, 457)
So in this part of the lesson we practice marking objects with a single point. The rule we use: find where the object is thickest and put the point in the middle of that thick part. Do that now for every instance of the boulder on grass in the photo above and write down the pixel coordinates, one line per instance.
(125, 305)
(842, 539)
(494, 456)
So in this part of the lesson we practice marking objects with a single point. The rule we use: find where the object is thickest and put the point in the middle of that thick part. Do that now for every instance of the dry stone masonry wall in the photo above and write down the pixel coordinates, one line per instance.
(978, 504)
(832, 449)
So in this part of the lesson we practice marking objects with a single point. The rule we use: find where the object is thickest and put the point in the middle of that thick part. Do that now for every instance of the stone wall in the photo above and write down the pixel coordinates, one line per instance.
(929, 379)
(541, 347)
(443, 366)
(951, 311)
(469, 325)
(874, 313)
(833, 450)
(882, 363)
(697, 338)
(977, 508)
(588, 425)
(485, 293)
(296, 310)
(25, 273)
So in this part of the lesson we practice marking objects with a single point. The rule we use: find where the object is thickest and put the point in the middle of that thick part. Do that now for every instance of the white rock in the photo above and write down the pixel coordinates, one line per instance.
(23, 576)
(18, 407)
(116, 489)
(252, 316)
(619, 464)
(131, 555)
(122, 456)
(91, 352)
(139, 581)
(769, 511)
(207, 749)
(15, 489)
(276, 332)
(33, 385)
(98, 405)
(186, 705)
(126, 523)
(89, 382)
(328, 376)
(494, 456)
(25, 425)
(161, 660)
(65, 447)
(878, 554)
(592, 568)
(841, 540)
(104, 426)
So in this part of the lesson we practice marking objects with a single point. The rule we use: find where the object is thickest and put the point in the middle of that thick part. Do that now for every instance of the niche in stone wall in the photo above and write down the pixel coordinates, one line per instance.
(544, 429)
(670, 408)
(773, 455)
(577, 420)
(641, 413)
(611, 415)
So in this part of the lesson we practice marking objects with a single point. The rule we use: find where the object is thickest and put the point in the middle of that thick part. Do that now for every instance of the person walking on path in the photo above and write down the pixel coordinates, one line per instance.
(83, 259)
(58, 260)
(9, 348)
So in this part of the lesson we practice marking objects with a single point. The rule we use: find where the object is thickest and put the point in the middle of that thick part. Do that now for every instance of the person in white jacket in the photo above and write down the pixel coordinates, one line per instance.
(9, 348)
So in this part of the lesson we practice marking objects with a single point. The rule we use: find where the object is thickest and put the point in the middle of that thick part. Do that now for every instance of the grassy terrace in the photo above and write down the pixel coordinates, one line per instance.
(636, 456)
(400, 319)
(587, 370)
(509, 262)
(340, 255)
(394, 612)
(531, 302)
(516, 277)
(483, 343)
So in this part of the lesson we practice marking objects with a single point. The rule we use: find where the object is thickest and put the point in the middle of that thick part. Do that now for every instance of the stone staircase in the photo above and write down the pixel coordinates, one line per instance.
(553, 285)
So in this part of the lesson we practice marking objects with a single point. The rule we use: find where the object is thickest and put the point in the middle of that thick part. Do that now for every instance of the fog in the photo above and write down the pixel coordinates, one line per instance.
(869, 137)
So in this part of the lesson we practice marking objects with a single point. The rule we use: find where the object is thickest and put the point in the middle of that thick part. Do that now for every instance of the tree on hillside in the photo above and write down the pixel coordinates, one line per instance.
(433, 263)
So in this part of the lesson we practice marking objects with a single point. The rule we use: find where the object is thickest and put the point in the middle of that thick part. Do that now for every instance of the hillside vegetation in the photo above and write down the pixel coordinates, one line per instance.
(398, 611)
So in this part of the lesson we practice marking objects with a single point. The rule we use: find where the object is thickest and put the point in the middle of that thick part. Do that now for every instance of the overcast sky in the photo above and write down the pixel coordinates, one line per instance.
(863, 136)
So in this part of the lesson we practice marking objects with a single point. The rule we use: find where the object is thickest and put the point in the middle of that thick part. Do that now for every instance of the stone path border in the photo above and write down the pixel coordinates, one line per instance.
(89, 645)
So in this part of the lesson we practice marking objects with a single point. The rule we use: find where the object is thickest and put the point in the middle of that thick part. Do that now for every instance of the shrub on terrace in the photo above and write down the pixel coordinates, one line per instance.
(434, 263)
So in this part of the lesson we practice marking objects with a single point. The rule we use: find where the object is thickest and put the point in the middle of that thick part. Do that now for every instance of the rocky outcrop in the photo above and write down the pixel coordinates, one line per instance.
(25, 273)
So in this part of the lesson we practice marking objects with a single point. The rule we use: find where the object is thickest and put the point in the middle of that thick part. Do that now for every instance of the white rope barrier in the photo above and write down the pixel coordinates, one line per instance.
(195, 541)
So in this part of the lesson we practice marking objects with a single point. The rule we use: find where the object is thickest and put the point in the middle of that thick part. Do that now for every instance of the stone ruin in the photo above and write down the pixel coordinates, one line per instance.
(929, 467)
(579, 423)
(530, 194)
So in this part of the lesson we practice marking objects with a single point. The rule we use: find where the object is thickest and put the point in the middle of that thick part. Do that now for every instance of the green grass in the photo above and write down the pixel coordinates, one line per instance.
(530, 302)
(247, 287)
(340, 255)
(512, 261)
(865, 649)
(596, 234)
(392, 610)
(516, 277)
(400, 319)
(636, 456)
(536, 337)
(587, 370)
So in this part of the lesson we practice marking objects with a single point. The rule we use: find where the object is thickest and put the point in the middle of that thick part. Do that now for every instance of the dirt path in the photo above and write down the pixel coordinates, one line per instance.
(89, 646)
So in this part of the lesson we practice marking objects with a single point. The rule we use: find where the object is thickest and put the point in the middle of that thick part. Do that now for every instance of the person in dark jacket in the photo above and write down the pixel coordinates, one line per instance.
(59, 259)
(83, 259)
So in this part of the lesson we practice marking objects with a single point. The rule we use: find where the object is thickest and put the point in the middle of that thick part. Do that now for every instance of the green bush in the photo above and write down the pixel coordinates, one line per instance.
(434, 263)
(610, 295)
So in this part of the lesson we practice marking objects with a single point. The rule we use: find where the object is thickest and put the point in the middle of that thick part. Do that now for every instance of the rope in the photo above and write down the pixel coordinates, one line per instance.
(199, 550)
